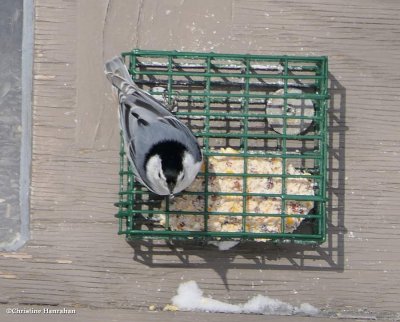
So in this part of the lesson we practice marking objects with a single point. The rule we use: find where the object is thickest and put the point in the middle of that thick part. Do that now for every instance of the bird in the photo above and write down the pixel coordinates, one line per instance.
(164, 154)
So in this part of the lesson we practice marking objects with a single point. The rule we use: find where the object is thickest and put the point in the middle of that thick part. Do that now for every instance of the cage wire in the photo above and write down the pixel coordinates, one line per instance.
(260, 107)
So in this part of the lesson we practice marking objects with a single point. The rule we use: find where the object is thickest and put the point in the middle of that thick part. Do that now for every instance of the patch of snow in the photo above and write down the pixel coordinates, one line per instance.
(225, 245)
(307, 309)
(261, 304)
(190, 298)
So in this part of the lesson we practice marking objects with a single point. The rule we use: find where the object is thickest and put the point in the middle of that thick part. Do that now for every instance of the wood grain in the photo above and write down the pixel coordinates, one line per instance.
(75, 257)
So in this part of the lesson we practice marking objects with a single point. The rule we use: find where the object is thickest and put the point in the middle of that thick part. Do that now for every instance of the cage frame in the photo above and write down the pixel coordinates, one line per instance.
(136, 222)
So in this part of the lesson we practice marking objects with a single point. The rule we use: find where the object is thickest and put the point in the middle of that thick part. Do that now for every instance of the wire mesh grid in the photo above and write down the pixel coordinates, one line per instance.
(246, 108)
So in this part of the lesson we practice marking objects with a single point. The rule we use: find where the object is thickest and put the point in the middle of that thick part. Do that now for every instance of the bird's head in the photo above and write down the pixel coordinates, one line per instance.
(170, 168)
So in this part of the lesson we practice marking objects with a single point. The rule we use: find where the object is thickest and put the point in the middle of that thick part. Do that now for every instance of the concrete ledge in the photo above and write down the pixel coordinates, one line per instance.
(16, 121)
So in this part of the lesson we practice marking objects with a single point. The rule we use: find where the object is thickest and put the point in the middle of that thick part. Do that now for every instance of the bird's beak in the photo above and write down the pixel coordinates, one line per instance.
(171, 186)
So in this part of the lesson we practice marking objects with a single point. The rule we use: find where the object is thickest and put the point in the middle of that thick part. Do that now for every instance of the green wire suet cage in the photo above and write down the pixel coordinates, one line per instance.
(261, 106)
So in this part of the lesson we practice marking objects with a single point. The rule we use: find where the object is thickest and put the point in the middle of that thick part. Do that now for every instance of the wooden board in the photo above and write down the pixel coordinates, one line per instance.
(44, 313)
(74, 256)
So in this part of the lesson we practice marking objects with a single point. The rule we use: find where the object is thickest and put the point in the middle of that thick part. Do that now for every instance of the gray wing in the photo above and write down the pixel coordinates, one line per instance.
(189, 140)
(142, 128)
(144, 120)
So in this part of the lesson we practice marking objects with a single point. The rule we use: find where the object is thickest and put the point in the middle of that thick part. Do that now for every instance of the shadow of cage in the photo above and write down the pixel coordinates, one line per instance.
(255, 255)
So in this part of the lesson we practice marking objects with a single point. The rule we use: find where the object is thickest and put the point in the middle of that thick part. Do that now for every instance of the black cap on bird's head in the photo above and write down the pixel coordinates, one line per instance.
(171, 154)
(171, 162)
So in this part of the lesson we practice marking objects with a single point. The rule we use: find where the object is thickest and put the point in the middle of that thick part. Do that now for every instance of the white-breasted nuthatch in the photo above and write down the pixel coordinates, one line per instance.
(164, 154)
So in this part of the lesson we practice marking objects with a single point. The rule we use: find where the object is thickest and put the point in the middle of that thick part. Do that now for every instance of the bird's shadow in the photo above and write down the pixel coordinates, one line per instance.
(329, 256)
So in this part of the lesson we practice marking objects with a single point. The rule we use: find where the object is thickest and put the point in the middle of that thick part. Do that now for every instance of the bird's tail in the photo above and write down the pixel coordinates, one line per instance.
(118, 75)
